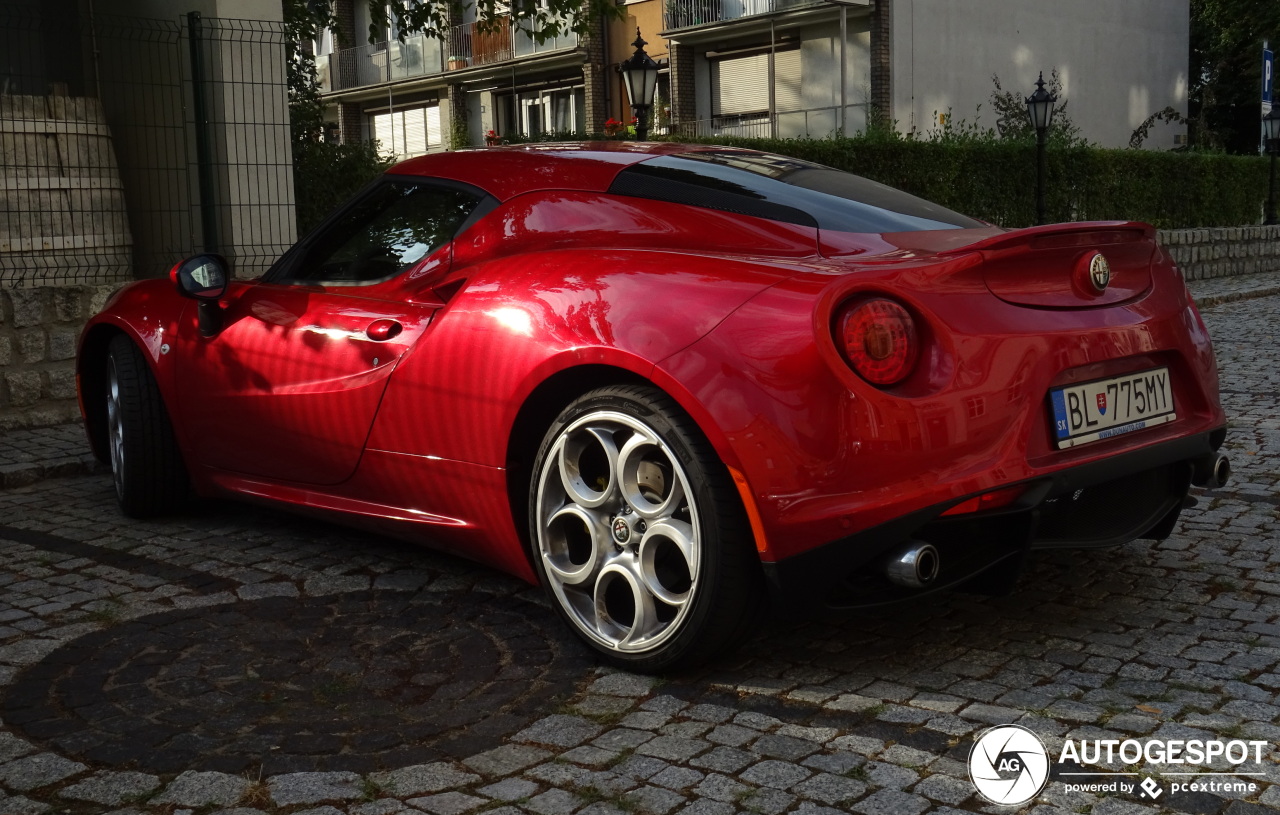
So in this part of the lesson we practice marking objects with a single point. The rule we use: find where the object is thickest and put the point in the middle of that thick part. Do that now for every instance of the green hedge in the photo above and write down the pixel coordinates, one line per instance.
(995, 180)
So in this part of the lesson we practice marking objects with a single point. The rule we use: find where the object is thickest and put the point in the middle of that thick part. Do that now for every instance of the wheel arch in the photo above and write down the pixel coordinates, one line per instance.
(536, 414)
(91, 367)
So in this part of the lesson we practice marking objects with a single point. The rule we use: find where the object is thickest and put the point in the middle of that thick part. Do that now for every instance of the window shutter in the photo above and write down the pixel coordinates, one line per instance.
(434, 136)
(415, 132)
(787, 93)
(383, 131)
(740, 85)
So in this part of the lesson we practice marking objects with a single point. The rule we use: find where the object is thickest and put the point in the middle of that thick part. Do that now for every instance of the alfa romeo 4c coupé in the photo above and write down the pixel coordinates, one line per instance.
(674, 384)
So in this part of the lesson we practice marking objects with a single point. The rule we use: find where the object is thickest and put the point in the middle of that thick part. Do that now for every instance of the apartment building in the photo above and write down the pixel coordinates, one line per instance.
(781, 68)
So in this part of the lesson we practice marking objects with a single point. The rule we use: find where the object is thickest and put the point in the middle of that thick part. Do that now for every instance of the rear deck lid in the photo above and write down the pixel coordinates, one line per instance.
(1084, 265)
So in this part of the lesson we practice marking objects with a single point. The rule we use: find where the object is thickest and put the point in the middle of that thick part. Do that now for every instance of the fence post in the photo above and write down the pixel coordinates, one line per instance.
(204, 157)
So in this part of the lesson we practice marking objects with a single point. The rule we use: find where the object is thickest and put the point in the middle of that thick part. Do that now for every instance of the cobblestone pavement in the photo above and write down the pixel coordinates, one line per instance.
(239, 661)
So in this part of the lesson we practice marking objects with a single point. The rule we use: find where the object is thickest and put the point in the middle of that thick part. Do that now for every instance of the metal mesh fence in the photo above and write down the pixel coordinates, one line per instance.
(159, 139)
(246, 133)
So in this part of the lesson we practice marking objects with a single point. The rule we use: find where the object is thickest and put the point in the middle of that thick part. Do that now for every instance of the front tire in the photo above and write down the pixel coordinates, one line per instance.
(638, 533)
(146, 466)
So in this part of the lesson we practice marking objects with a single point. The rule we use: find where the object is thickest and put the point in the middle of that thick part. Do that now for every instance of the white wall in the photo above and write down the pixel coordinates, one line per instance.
(1119, 60)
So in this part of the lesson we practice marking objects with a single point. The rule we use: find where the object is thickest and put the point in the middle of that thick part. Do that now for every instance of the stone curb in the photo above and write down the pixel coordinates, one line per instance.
(1234, 296)
(27, 473)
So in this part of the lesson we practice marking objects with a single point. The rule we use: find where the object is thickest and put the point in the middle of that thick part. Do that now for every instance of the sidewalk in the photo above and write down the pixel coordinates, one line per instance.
(27, 456)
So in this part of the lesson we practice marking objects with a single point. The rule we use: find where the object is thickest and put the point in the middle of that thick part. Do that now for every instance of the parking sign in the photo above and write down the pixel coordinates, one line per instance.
(1268, 74)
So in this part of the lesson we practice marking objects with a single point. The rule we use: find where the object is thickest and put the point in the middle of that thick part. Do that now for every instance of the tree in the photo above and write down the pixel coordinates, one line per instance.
(1013, 122)
(542, 19)
(1226, 71)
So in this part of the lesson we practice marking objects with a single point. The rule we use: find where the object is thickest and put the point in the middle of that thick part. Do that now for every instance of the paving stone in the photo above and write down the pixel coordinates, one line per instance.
(509, 789)
(422, 778)
(553, 802)
(314, 788)
(777, 774)
(111, 788)
(720, 788)
(891, 802)
(656, 800)
(39, 770)
(623, 684)
(560, 731)
(676, 778)
(784, 747)
(830, 789)
(945, 789)
(383, 806)
(505, 760)
(890, 776)
(724, 759)
(447, 803)
(732, 735)
(199, 789)
(673, 748)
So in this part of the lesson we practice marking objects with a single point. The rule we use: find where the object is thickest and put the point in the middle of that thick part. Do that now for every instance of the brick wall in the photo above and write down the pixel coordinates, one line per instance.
(683, 107)
(882, 59)
(38, 332)
(1203, 254)
(594, 77)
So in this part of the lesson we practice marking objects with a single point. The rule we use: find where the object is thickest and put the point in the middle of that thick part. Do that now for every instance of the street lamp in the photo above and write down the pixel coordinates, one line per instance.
(1271, 130)
(640, 73)
(1040, 109)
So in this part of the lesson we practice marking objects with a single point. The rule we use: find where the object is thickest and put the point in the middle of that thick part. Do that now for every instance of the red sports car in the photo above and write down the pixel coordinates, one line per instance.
(674, 382)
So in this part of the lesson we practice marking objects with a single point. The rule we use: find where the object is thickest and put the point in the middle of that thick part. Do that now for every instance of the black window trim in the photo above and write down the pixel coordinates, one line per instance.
(280, 271)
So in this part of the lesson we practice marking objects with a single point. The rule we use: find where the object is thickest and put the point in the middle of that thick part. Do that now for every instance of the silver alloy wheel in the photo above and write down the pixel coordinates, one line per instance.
(618, 531)
(115, 427)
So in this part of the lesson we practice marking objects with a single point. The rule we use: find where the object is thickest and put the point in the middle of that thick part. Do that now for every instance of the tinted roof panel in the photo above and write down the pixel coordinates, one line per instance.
(784, 189)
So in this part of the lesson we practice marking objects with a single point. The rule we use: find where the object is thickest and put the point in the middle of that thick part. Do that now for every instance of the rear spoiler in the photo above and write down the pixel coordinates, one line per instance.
(1060, 236)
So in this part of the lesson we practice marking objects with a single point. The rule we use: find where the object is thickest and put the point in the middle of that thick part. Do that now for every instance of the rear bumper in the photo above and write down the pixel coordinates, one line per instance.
(848, 572)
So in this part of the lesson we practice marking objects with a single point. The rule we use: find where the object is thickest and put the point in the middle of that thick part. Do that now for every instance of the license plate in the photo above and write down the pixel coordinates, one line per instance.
(1106, 408)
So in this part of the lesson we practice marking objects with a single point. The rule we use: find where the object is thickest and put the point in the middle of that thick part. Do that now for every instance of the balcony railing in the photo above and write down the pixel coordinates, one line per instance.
(380, 62)
(814, 123)
(472, 44)
(466, 46)
(689, 13)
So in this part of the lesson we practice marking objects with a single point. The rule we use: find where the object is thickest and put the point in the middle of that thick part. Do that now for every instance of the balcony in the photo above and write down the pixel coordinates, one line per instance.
(691, 13)
(467, 46)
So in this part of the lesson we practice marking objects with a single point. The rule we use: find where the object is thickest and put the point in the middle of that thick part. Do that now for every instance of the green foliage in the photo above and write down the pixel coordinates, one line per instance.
(994, 179)
(1012, 121)
(325, 174)
(1226, 71)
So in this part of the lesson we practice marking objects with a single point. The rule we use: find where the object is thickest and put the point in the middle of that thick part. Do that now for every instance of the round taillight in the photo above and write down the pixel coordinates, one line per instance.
(879, 340)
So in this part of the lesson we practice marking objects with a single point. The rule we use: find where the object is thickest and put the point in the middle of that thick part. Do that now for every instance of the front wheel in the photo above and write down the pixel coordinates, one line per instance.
(638, 533)
(146, 466)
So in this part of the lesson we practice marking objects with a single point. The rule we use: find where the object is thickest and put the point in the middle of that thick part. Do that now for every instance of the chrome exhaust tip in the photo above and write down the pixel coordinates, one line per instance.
(915, 567)
(1219, 472)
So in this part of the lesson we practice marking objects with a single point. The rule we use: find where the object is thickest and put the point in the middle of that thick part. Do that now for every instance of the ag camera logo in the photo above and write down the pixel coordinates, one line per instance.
(1009, 765)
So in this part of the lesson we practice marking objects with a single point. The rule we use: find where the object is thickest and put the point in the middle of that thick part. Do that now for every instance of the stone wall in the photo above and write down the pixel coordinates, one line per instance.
(38, 332)
(1226, 251)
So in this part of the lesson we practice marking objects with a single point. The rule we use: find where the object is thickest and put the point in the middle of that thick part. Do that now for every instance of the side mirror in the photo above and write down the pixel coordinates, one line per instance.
(204, 279)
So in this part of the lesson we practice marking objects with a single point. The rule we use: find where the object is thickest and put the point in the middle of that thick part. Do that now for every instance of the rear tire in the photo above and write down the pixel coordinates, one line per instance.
(146, 466)
(639, 535)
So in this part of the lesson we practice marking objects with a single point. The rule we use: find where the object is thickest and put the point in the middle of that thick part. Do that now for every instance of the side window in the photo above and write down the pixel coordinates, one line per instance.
(393, 227)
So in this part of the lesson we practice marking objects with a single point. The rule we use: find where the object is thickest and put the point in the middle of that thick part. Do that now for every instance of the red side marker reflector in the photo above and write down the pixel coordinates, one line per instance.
(988, 500)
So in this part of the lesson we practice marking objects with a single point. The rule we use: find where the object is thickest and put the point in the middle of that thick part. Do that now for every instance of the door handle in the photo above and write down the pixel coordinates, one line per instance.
(383, 330)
